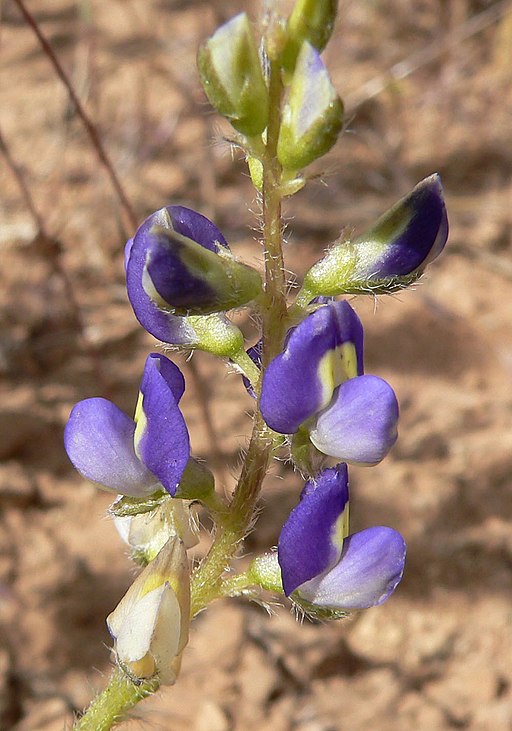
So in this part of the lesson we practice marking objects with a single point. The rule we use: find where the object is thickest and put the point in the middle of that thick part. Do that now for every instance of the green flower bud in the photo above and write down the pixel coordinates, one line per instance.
(312, 114)
(312, 21)
(232, 77)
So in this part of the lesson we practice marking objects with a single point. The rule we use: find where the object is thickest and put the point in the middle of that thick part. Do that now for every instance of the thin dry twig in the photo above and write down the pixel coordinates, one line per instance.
(90, 127)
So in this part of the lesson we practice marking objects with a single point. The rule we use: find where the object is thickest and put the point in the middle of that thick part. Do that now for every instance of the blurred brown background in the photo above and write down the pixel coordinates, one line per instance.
(427, 87)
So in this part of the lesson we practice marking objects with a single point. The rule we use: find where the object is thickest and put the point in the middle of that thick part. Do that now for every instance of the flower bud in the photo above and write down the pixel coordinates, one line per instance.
(147, 533)
(232, 77)
(150, 624)
(390, 256)
(312, 21)
(312, 114)
(164, 278)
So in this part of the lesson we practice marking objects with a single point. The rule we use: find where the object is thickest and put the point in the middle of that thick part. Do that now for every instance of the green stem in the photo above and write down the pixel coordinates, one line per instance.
(111, 706)
(207, 579)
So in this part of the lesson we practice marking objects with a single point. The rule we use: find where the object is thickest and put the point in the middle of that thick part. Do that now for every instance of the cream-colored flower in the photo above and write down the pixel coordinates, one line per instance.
(151, 622)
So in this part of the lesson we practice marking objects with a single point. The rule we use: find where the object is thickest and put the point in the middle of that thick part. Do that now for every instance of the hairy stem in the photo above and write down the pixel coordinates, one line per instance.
(112, 705)
(274, 312)
(207, 579)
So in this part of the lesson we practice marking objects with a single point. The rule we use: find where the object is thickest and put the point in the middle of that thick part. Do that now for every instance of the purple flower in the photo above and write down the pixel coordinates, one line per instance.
(133, 457)
(179, 264)
(317, 384)
(322, 566)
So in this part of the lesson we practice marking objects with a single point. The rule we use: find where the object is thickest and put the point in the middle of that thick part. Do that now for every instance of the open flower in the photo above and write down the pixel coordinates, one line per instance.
(150, 624)
(317, 384)
(133, 457)
(180, 273)
(322, 566)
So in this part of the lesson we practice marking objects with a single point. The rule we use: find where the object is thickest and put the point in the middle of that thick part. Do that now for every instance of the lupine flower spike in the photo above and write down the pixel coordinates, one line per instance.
(314, 405)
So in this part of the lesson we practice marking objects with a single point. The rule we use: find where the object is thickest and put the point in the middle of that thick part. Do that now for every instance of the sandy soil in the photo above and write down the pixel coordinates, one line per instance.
(438, 654)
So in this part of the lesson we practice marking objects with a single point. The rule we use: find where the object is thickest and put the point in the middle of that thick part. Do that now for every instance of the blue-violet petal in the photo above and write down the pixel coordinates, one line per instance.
(311, 539)
(99, 441)
(360, 424)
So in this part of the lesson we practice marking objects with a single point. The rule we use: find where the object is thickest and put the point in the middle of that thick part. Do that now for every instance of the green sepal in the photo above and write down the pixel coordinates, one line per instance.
(305, 455)
(216, 334)
(232, 77)
(256, 172)
(197, 482)
(126, 507)
(312, 611)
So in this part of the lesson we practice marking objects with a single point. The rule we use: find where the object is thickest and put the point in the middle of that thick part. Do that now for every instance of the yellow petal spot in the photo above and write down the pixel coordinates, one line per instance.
(335, 367)
(341, 528)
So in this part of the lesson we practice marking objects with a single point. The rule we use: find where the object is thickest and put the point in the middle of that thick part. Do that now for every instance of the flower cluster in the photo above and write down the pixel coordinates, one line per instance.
(314, 391)
(313, 399)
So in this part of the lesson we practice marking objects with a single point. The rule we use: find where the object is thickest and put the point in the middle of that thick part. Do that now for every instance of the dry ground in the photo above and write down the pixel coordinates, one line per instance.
(428, 87)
